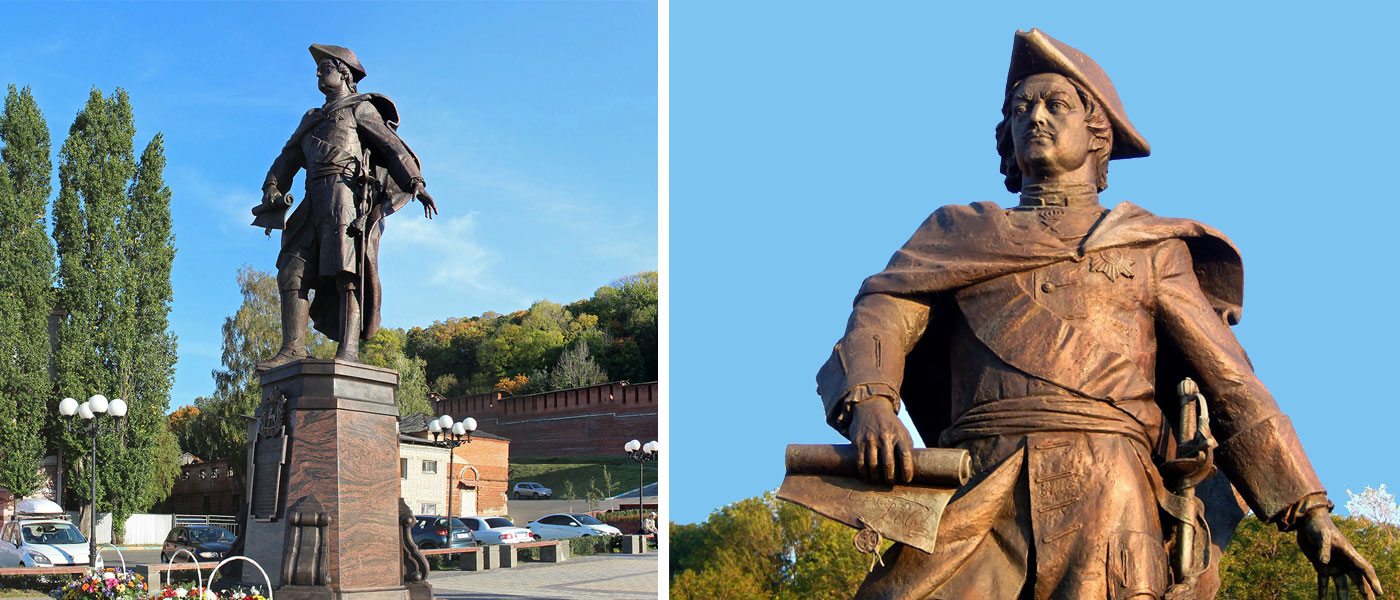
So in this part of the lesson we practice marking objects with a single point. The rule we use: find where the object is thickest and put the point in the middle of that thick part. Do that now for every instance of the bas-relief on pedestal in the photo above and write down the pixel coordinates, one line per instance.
(324, 519)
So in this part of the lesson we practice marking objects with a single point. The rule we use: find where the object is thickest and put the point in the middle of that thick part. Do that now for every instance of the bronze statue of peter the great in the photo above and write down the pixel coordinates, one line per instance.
(1047, 340)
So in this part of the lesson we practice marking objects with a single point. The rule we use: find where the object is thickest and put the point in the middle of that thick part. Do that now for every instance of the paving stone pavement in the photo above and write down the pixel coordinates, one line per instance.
(618, 577)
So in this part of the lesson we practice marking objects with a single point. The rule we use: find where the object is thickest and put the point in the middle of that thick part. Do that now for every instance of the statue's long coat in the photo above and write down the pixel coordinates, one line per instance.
(1055, 363)
(330, 143)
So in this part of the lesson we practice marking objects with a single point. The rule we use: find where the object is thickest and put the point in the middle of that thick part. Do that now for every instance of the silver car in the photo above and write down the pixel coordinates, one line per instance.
(42, 543)
(526, 489)
(496, 530)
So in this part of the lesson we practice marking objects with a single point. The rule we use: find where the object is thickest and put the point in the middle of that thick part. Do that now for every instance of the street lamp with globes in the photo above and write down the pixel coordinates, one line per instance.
(451, 434)
(92, 411)
(642, 453)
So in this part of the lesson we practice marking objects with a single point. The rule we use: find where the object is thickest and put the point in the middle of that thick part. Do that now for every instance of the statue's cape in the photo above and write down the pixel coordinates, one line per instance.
(961, 245)
(386, 198)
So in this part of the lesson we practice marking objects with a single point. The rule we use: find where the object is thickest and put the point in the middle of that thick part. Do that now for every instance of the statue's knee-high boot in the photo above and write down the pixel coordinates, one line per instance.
(294, 317)
(349, 326)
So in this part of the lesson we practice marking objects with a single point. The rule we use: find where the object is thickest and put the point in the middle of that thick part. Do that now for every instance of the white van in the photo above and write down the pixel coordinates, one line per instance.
(41, 536)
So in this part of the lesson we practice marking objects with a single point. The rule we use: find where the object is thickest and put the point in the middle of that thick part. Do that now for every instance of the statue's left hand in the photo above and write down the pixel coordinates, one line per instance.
(429, 207)
(1335, 559)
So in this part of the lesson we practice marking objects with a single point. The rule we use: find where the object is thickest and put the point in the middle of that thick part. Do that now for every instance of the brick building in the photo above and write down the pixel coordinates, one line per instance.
(597, 419)
(203, 488)
(480, 479)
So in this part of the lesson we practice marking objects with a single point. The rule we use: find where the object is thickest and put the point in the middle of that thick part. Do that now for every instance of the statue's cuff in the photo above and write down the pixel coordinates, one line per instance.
(1288, 520)
(857, 394)
(416, 180)
(1267, 464)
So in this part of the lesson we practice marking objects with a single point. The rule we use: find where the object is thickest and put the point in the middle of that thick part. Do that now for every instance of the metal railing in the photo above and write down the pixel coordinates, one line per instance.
(228, 522)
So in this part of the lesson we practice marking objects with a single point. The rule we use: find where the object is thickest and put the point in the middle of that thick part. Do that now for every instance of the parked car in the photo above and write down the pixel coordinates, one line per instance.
(206, 542)
(526, 489)
(41, 536)
(559, 526)
(497, 530)
(430, 531)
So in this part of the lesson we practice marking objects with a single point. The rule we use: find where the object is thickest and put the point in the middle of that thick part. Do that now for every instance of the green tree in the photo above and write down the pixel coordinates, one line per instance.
(252, 334)
(763, 547)
(576, 369)
(112, 233)
(1263, 563)
(26, 276)
(386, 349)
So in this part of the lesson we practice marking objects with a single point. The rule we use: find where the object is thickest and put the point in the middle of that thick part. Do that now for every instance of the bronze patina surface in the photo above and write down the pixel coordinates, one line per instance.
(358, 171)
(1047, 340)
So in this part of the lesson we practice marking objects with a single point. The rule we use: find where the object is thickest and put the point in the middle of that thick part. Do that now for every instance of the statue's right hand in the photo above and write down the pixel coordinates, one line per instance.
(270, 194)
(884, 450)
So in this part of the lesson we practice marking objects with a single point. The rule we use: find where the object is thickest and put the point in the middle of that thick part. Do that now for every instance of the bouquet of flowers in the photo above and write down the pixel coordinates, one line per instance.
(106, 584)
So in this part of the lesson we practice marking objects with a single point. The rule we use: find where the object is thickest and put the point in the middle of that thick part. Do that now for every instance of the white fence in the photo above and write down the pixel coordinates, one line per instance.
(150, 530)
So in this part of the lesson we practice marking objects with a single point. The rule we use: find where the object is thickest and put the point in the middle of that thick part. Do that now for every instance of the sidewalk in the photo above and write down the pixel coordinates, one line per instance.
(617, 577)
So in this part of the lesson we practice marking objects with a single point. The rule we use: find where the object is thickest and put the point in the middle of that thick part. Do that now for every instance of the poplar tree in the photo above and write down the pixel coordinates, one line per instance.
(26, 276)
(112, 229)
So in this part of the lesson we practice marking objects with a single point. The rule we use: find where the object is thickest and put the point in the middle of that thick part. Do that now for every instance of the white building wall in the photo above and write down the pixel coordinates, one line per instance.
(419, 488)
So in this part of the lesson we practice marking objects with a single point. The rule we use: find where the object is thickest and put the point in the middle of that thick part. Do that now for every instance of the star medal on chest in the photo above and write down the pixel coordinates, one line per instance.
(1112, 264)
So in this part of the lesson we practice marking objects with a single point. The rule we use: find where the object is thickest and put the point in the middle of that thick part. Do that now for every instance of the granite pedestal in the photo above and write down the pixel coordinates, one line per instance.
(338, 452)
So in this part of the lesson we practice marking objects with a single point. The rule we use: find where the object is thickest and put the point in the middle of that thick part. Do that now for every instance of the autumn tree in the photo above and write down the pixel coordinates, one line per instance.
(115, 249)
(516, 351)
(765, 548)
(26, 276)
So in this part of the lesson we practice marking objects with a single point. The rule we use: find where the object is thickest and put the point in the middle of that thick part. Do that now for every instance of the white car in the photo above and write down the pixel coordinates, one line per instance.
(559, 526)
(41, 536)
(496, 530)
(528, 489)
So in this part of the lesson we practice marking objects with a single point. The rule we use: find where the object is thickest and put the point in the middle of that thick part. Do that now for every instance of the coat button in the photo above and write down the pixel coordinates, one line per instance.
(1047, 287)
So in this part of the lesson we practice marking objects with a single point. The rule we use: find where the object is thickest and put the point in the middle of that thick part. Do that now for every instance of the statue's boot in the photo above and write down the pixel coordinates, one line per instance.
(294, 316)
(350, 327)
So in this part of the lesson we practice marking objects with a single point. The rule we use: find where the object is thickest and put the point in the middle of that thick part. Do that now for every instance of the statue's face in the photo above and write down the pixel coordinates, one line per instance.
(1048, 126)
(328, 78)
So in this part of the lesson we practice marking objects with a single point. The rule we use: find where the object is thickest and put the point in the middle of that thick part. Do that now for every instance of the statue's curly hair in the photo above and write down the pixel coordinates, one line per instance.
(1095, 118)
(350, 77)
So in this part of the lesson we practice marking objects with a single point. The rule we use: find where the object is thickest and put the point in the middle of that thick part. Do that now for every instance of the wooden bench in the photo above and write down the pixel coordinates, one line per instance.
(42, 570)
(473, 558)
(550, 550)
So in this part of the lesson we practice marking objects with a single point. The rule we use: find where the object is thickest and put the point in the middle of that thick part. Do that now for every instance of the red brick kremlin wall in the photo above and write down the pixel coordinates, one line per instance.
(592, 420)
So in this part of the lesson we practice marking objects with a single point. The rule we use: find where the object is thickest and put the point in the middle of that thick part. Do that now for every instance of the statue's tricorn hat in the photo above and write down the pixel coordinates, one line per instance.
(1033, 52)
(320, 51)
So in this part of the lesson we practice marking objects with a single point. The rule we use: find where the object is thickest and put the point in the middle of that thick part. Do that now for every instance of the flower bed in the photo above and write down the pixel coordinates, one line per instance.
(116, 584)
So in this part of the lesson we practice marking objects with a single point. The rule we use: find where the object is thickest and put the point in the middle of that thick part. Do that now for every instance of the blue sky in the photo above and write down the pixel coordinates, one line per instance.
(536, 124)
(806, 145)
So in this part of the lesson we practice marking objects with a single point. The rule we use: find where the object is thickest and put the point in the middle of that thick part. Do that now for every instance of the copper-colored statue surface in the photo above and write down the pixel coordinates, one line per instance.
(358, 171)
(1048, 341)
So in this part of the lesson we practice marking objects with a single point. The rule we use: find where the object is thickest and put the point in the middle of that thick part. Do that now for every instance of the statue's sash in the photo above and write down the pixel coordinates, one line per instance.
(1025, 334)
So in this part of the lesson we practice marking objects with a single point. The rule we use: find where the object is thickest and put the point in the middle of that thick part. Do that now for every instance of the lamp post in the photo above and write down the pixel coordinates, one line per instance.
(92, 410)
(451, 434)
(641, 453)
